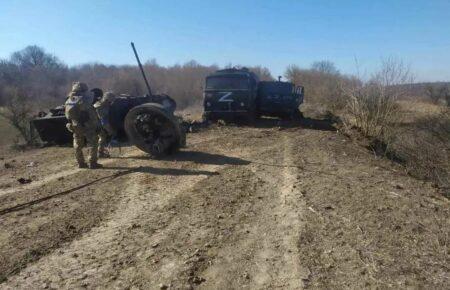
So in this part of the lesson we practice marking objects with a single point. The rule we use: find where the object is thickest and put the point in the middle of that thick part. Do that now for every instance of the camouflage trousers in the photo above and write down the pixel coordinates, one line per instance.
(103, 140)
(80, 137)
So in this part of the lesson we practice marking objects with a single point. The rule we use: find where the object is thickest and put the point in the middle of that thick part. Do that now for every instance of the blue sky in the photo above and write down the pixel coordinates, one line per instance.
(270, 33)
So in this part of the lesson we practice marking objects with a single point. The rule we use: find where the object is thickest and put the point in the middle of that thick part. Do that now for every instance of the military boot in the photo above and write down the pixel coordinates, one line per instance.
(82, 165)
(95, 165)
(104, 154)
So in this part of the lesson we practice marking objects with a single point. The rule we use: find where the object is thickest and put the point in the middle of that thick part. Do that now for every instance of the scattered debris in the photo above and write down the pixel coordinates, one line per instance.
(135, 226)
(394, 194)
(24, 180)
(194, 126)
(196, 280)
(31, 164)
(311, 209)
(8, 166)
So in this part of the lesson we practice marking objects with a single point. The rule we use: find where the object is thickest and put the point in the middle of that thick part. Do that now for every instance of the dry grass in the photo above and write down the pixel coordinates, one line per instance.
(9, 134)
(412, 109)
(416, 134)
(422, 142)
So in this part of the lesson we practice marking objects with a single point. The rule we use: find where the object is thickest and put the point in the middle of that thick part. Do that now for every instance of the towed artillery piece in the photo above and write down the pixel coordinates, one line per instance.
(147, 122)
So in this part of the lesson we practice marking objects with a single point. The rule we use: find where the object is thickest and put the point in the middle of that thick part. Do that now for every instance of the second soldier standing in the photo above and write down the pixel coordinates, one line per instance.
(106, 132)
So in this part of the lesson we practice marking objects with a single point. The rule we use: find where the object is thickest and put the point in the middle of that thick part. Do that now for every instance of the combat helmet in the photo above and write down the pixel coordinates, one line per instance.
(108, 97)
(79, 87)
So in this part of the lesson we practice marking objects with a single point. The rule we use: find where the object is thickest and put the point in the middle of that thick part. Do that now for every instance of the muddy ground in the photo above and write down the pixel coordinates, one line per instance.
(240, 207)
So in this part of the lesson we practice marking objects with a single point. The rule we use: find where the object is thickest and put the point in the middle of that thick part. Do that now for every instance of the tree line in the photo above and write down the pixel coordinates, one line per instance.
(44, 80)
(32, 80)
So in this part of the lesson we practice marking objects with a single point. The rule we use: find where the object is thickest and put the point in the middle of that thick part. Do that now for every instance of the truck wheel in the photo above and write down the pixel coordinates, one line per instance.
(252, 117)
(296, 115)
(209, 117)
(153, 130)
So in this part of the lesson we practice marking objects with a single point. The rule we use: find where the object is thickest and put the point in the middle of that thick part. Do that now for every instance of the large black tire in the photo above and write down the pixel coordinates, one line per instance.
(209, 117)
(170, 125)
(296, 115)
(252, 118)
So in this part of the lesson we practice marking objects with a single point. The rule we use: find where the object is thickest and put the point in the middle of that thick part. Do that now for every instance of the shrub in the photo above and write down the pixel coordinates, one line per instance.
(18, 112)
(371, 106)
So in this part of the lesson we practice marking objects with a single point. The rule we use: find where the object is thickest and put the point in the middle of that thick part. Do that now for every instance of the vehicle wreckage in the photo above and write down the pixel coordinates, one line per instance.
(148, 122)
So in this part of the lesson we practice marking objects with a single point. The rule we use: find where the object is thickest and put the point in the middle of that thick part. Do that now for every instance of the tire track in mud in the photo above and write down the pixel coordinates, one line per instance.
(279, 264)
(292, 207)
(267, 256)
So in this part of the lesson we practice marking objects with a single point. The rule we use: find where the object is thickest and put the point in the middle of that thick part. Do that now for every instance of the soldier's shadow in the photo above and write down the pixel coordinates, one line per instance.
(162, 171)
(196, 157)
(206, 158)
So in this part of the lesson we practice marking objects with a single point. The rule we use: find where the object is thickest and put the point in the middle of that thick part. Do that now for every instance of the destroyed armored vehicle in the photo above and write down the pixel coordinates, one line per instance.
(233, 93)
(147, 122)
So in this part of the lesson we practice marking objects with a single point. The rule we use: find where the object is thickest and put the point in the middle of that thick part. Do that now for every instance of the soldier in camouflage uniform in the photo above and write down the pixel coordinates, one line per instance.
(84, 124)
(106, 132)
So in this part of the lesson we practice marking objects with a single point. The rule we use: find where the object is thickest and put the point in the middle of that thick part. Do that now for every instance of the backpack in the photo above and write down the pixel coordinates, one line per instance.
(76, 111)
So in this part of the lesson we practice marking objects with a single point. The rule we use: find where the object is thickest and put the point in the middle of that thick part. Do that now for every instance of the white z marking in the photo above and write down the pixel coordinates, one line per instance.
(225, 96)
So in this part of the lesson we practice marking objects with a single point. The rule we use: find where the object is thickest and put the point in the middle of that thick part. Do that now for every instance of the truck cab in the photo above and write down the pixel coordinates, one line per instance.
(281, 99)
(230, 93)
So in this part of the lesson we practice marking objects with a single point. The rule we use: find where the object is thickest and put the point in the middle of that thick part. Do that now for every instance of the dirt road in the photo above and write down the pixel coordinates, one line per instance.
(240, 207)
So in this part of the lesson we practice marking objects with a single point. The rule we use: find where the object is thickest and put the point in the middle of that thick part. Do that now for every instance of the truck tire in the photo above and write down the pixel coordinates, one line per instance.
(296, 115)
(252, 117)
(153, 130)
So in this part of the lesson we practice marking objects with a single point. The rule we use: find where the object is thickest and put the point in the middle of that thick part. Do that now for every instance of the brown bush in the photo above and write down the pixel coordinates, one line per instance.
(18, 111)
(372, 106)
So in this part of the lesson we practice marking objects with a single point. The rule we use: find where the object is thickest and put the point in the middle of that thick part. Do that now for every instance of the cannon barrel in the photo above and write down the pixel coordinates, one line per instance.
(142, 69)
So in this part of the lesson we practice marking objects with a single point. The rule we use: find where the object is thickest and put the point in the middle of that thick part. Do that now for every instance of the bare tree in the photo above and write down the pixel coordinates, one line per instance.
(34, 57)
(325, 66)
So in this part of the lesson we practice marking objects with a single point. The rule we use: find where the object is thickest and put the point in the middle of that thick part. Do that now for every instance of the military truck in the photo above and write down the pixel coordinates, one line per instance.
(230, 93)
(279, 99)
(146, 121)
(237, 93)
